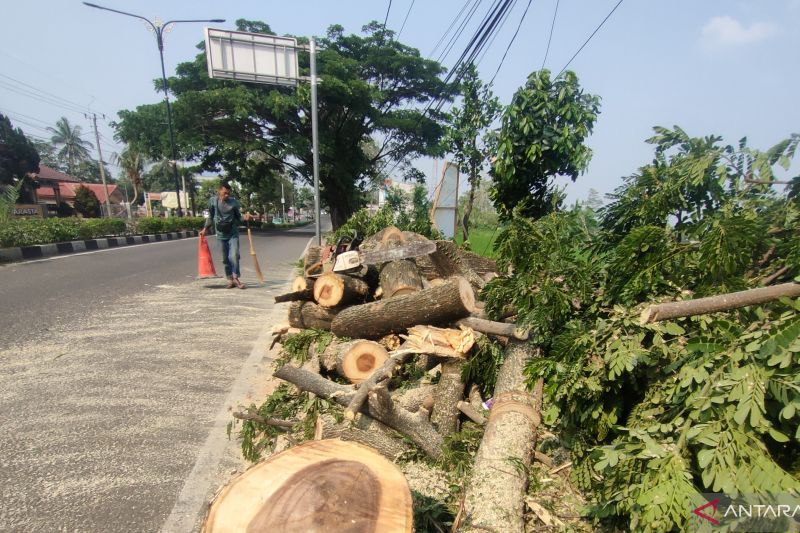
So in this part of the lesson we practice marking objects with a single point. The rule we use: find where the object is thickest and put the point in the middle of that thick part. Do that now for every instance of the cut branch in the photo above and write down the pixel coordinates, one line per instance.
(490, 327)
(397, 358)
(722, 302)
(276, 422)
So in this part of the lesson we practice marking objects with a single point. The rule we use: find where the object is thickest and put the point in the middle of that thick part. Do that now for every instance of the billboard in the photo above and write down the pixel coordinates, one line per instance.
(252, 57)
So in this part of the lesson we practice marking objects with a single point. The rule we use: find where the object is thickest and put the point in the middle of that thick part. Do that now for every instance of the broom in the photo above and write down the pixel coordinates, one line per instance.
(253, 255)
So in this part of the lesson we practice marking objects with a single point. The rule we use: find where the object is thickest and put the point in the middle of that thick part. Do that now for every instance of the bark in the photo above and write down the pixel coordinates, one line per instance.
(416, 426)
(495, 492)
(412, 399)
(449, 392)
(367, 431)
(308, 315)
(354, 360)
(430, 338)
(443, 304)
(276, 422)
(305, 295)
(471, 413)
(332, 290)
(769, 279)
(321, 485)
(475, 399)
(473, 183)
(489, 327)
(399, 278)
(448, 261)
(311, 261)
(722, 302)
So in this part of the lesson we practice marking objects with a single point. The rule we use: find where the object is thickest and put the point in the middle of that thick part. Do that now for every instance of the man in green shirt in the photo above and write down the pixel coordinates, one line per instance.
(225, 214)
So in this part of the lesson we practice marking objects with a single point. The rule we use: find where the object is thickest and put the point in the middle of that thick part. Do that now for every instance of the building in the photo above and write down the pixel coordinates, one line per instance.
(56, 187)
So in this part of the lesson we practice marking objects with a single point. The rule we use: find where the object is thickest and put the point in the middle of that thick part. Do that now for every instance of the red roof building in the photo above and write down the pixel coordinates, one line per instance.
(56, 186)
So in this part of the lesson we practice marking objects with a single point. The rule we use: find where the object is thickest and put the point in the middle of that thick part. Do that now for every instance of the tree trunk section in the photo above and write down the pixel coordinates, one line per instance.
(367, 431)
(722, 302)
(399, 278)
(443, 304)
(496, 489)
(301, 283)
(316, 487)
(354, 360)
(305, 295)
(473, 183)
(490, 327)
(311, 260)
(449, 392)
(332, 290)
(308, 315)
(412, 399)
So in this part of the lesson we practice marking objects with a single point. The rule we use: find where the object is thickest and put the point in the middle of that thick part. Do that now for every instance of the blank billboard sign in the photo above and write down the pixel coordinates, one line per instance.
(252, 57)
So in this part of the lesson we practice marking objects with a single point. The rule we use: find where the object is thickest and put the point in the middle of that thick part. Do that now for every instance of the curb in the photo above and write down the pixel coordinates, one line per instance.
(47, 250)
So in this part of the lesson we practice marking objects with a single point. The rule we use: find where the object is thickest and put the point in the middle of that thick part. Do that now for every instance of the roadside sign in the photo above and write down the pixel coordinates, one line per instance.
(252, 57)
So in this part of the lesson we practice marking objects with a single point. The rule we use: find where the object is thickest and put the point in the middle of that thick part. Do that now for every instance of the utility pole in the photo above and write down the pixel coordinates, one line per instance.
(283, 205)
(100, 154)
(315, 137)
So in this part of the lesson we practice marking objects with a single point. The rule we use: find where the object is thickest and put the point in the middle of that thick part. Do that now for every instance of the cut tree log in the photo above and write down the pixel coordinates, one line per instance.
(495, 492)
(443, 304)
(471, 413)
(721, 302)
(490, 327)
(449, 392)
(367, 431)
(305, 295)
(308, 315)
(384, 371)
(332, 290)
(311, 261)
(301, 283)
(415, 426)
(412, 399)
(400, 277)
(316, 487)
(354, 360)
(448, 260)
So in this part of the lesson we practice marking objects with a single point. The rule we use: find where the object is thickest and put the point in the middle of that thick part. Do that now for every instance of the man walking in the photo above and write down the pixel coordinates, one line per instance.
(225, 214)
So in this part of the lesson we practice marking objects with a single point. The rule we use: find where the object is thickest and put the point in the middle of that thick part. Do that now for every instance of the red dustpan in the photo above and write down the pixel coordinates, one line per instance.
(205, 266)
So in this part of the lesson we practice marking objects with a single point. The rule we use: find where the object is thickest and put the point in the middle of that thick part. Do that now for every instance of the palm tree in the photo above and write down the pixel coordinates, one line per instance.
(132, 162)
(73, 149)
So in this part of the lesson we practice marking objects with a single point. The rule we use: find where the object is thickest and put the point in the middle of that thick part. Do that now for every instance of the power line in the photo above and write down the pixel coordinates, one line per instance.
(460, 30)
(46, 100)
(447, 32)
(590, 38)
(386, 19)
(496, 72)
(406, 19)
(552, 25)
(43, 92)
(494, 37)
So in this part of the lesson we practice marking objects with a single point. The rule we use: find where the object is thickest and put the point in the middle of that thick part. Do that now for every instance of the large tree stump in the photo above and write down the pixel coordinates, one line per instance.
(443, 304)
(311, 261)
(496, 489)
(332, 290)
(400, 277)
(321, 486)
(354, 360)
(449, 392)
(367, 431)
(308, 315)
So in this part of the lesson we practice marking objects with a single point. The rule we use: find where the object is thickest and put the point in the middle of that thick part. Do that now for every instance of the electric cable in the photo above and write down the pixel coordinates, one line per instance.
(521, 20)
(590, 38)
(552, 25)
(405, 19)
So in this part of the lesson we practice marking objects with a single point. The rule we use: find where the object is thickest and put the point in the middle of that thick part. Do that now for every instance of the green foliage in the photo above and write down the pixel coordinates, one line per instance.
(430, 515)
(296, 347)
(72, 148)
(8, 199)
(542, 136)
(18, 156)
(658, 413)
(481, 369)
(86, 202)
(257, 437)
(34, 231)
(151, 225)
(64, 210)
(367, 224)
(459, 450)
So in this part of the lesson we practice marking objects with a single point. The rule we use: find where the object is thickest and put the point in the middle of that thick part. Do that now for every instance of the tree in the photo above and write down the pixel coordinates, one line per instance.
(132, 163)
(18, 157)
(47, 153)
(594, 200)
(542, 137)
(372, 88)
(73, 150)
(86, 202)
(467, 134)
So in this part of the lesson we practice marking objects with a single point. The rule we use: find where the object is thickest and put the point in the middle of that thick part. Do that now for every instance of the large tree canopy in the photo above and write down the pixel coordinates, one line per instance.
(18, 156)
(371, 90)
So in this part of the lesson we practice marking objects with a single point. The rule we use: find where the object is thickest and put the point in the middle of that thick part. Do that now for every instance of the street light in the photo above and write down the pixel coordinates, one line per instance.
(158, 28)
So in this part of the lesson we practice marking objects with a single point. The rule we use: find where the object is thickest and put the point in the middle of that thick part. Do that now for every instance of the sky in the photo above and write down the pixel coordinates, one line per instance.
(722, 67)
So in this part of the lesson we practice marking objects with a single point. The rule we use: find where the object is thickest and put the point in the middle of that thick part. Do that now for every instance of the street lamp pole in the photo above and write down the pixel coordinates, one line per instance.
(158, 28)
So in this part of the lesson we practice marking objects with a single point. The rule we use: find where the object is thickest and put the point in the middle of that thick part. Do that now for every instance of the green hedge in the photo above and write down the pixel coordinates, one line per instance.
(150, 225)
(28, 232)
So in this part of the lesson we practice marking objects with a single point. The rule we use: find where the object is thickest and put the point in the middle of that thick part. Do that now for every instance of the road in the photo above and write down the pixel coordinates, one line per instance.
(118, 371)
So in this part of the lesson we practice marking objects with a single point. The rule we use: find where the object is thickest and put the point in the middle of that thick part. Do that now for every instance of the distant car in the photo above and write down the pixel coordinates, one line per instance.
(277, 220)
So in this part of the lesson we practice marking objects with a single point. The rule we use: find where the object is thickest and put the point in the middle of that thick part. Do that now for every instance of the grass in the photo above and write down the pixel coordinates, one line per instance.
(481, 241)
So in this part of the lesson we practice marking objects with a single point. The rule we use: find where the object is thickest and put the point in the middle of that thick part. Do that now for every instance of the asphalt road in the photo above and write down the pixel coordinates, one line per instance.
(118, 371)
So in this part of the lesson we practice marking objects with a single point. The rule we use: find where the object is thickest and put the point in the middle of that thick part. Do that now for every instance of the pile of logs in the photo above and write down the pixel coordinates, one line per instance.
(422, 306)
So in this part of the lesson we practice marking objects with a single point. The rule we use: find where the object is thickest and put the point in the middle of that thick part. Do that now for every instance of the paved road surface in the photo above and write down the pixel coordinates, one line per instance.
(117, 373)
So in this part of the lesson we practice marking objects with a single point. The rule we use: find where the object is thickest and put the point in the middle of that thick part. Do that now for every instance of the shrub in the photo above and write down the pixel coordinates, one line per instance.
(86, 202)
(51, 230)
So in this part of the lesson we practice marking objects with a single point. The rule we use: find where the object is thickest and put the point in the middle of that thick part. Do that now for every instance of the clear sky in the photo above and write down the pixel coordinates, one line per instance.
(725, 67)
